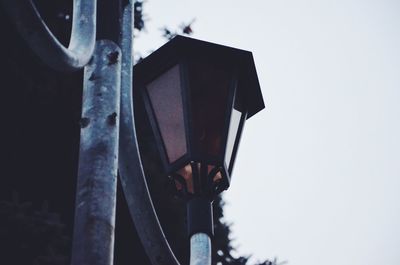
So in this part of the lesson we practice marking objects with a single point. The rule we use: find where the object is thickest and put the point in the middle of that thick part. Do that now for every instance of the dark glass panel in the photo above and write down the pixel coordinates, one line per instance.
(165, 95)
(209, 92)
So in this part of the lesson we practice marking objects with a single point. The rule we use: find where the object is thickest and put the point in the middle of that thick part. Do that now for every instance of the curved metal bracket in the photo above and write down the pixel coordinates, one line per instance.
(42, 41)
(130, 167)
(132, 176)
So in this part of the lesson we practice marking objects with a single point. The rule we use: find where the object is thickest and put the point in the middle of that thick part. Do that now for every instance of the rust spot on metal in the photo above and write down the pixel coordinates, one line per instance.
(112, 118)
(84, 122)
(101, 149)
(113, 57)
(89, 184)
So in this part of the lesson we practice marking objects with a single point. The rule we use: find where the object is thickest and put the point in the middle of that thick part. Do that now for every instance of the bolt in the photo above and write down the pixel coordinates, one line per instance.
(112, 118)
(113, 57)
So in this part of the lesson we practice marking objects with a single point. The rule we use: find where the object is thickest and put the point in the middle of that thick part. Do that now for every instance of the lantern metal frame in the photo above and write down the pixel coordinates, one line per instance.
(181, 51)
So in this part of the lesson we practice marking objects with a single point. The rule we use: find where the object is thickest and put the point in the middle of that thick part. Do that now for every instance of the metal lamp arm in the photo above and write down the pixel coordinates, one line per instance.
(137, 194)
(42, 41)
(132, 175)
(131, 171)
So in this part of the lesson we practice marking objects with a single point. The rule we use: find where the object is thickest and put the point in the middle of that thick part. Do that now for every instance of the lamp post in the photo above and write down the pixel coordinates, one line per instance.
(198, 96)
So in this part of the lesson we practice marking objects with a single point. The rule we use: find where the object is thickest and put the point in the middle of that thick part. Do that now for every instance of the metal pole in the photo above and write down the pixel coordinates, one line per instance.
(200, 249)
(93, 240)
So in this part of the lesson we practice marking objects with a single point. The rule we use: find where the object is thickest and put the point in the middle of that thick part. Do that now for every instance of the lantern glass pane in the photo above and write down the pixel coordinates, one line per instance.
(209, 90)
(233, 130)
(165, 95)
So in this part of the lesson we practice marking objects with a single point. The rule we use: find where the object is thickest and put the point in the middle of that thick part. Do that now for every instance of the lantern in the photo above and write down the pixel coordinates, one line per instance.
(198, 96)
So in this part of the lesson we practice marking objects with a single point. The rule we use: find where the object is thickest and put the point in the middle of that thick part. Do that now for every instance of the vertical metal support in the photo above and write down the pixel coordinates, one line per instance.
(93, 240)
(200, 249)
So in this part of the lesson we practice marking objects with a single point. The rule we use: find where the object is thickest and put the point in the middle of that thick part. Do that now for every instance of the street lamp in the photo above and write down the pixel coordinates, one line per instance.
(198, 96)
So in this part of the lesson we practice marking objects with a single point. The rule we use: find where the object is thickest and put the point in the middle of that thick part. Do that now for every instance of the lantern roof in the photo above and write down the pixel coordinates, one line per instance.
(184, 48)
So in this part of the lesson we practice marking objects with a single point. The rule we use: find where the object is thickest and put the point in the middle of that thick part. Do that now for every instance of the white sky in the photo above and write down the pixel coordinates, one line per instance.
(322, 161)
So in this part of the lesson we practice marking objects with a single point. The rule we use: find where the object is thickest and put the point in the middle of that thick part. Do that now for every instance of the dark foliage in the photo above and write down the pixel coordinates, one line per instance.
(138, 15)
(38, 235)
(185, 29)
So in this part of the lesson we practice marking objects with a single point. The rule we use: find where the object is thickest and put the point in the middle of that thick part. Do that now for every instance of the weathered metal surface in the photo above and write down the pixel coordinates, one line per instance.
(40, 39)
(93, 239)
(200, 249)
(130, 167)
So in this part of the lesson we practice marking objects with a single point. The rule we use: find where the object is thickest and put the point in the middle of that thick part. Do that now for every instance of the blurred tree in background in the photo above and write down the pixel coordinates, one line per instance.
(39, 155)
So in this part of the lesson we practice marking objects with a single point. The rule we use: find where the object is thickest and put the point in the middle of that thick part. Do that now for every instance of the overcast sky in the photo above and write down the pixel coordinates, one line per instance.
(322, 161)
